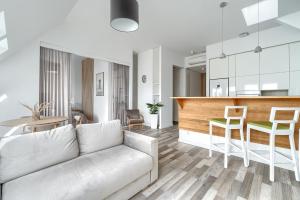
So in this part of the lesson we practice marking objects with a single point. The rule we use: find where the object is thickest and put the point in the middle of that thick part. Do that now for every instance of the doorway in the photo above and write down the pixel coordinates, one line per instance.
(196, 81)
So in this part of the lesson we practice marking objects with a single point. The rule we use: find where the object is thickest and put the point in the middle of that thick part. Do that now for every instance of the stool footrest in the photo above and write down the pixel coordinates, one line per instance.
(259, 152)
(221, 147)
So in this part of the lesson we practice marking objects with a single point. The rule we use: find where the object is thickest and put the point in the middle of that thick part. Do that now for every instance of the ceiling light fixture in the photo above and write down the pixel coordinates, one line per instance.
(244, 34)
(222, 6)
(258, 49)
(124, 15)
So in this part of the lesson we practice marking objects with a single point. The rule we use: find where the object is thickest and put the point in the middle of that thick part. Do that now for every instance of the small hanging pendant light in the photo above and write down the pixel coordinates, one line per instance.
(124, 15)
(258, 49)
(222, 6)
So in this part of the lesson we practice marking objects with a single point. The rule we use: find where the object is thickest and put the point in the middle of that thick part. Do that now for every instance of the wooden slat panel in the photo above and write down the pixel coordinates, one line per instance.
(88, 88)
(195, 113)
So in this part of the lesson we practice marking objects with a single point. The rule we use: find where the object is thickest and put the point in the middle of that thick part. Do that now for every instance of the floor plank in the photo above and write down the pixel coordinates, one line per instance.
(186, 172)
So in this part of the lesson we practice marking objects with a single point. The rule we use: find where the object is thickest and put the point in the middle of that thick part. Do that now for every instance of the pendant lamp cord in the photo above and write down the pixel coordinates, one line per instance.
(222, 22)
(258, 23)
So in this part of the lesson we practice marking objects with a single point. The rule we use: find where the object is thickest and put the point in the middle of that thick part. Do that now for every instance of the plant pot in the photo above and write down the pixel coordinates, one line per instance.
(154, 121)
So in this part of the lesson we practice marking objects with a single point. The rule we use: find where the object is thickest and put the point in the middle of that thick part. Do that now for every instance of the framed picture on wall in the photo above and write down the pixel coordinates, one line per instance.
(100, 84)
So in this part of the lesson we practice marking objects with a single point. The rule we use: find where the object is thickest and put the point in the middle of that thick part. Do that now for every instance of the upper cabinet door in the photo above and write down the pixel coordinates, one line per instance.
(247, 64)
(218, 68)
(277, 81)
(247, 83)
(295, 56)
(294, 83)
(232, 87)
(231, 66)
(274, 60)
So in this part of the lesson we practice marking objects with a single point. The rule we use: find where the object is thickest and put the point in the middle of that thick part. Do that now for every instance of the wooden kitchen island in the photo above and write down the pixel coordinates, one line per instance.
(195, 113)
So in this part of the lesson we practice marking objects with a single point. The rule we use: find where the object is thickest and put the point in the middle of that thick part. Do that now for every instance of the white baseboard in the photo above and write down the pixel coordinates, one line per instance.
(202, 140)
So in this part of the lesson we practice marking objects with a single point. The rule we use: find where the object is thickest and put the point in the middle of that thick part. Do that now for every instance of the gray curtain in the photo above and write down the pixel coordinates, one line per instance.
(119, 91)
(55, 81)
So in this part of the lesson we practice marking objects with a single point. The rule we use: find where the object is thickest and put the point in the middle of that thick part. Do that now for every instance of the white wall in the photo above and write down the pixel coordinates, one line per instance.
(149, 62)
(87, 41)
(19, 80)
(101, 103)
(19, 73)
(179, 88)
(76, 80)
(270, 37)
(168, 60)
(145, 90)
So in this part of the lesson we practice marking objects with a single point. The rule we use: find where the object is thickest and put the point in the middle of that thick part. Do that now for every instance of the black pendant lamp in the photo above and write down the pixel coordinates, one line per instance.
(124, 15)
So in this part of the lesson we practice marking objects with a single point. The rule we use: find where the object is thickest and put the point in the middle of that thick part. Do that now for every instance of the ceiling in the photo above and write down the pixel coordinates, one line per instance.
(181, 25)
(26, 20)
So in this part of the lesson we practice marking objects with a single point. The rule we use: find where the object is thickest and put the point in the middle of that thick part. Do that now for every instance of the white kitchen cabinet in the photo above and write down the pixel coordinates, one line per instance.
(295, 56)
(247, 64)
(231, 66)
(218, 68)
(274, 60)
(232, 87)
(277, 81)
(247, 83)
(294, 83)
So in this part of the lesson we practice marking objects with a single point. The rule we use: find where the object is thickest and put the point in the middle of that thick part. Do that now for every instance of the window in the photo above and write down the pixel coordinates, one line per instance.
(268, 9)
(3, 37)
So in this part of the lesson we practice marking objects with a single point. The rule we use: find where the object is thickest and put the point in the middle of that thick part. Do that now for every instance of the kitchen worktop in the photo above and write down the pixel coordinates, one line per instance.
(195, 113)
(242, 97)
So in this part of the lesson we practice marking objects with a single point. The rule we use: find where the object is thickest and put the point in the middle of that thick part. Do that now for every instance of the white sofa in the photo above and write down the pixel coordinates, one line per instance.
(95, 161)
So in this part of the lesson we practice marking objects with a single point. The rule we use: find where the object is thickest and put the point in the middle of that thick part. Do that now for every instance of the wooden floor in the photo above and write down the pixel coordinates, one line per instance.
(186, 172)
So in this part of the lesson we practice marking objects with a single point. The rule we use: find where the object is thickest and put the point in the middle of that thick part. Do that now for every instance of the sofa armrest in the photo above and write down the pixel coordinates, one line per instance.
(145, 144)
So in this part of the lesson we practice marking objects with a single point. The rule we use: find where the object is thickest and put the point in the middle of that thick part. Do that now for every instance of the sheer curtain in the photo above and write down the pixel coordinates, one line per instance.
(55, 81)
(119, 91)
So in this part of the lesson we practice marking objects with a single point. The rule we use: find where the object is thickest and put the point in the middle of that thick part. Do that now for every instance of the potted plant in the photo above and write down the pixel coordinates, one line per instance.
(153, 109)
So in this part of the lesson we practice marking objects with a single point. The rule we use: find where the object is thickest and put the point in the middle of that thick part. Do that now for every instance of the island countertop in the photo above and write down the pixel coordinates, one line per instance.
(195, 113)
(242, 97)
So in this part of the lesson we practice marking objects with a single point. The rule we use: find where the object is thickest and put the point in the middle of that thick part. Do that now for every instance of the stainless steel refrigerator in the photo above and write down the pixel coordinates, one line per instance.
(219, 87)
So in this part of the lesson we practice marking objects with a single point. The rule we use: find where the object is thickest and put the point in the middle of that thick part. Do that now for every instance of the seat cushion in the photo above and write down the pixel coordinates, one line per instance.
(24, 154)
(99, 136)
(92, 176)
(223, 121)
(136, 121)
(268, 125)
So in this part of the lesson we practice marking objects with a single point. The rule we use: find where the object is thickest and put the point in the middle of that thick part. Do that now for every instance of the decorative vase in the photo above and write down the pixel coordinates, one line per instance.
(36, 116)
(154, 121)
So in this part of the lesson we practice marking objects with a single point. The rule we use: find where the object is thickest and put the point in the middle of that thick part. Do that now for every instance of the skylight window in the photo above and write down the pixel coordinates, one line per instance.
(3, 38)
(2, 25)
(268, 10)
(3, 45)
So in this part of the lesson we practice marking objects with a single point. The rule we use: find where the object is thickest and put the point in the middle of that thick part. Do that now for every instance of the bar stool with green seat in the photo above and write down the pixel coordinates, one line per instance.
(275, 127)
(229, 123)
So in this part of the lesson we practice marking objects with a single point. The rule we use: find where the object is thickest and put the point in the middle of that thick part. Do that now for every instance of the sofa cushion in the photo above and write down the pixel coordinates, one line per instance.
(92, 176)
(99, 136)
(24, 154)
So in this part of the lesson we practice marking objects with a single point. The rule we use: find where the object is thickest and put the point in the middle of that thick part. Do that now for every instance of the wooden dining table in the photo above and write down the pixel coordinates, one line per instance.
(34, 124)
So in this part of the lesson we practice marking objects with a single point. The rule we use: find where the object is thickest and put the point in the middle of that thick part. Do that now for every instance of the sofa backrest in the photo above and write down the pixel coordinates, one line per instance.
(24, 154)
(99, 136)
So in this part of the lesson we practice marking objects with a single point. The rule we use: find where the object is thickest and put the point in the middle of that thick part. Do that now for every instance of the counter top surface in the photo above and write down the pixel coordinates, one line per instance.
(242, 97)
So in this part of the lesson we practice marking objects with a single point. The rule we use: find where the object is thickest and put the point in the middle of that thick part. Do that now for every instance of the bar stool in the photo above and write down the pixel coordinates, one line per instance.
(229, 123)
(276, 127)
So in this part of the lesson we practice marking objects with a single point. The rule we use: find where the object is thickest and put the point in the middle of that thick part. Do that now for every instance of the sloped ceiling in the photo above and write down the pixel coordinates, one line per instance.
(27, 19)
(181, 25)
